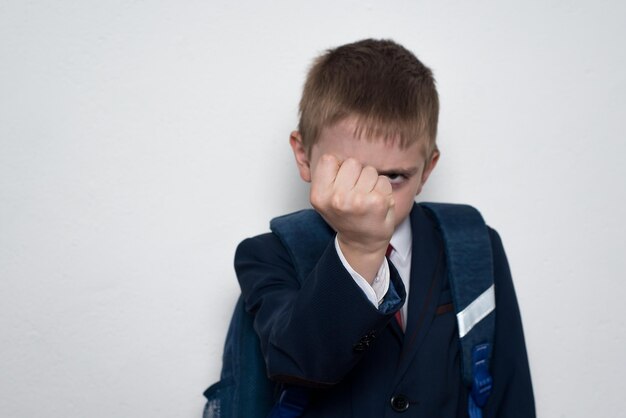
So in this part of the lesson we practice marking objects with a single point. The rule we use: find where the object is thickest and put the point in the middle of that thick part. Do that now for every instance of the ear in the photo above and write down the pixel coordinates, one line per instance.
(430, 166)
(301, 155)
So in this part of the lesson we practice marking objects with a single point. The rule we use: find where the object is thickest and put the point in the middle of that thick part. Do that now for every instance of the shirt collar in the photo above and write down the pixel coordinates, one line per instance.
(402, 238)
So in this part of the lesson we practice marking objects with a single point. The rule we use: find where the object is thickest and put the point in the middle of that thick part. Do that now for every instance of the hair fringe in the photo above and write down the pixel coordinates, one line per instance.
(383, 85)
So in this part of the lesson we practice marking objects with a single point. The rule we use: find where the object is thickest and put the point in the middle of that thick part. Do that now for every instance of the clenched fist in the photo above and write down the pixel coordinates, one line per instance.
(359, 205)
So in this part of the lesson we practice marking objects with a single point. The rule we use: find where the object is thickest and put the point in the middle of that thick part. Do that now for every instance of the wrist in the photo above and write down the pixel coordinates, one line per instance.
(363, 247)
(366, 260)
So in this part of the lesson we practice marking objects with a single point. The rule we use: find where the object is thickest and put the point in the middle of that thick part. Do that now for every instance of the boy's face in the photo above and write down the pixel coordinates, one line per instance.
(407, 169)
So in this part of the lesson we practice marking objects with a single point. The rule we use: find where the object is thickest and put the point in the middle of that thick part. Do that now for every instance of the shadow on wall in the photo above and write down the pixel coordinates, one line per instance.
(295, 192)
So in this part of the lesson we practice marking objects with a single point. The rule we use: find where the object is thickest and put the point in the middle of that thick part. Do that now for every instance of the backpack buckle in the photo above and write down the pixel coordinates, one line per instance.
(482, 381)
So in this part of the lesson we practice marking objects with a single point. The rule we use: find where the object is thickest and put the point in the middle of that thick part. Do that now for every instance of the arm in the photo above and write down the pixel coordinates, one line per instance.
(512, 388)
(315, 332)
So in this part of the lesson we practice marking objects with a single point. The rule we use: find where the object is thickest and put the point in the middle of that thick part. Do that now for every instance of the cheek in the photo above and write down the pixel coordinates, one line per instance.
(404, 202)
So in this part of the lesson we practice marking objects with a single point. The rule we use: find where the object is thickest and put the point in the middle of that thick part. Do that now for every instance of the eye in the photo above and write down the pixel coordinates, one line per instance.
(396, 178)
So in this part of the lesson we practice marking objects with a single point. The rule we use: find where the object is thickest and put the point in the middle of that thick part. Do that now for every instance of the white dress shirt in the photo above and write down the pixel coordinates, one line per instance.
(402, 243)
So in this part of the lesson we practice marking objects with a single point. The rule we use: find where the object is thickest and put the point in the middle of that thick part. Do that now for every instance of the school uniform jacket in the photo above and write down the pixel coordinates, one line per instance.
(326, 335)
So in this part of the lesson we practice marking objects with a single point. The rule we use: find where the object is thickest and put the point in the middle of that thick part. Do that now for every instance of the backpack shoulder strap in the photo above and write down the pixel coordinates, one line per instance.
(470, 272)
(305, 235)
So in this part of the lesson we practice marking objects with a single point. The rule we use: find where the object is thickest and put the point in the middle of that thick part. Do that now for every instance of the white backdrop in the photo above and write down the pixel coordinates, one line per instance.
(141, 141)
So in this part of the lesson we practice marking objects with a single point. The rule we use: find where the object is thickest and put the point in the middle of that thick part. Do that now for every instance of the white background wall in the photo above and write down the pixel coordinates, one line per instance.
(141, 141)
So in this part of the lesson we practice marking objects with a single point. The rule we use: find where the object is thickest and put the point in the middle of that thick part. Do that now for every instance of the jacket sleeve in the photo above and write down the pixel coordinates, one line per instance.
(312, 333)
(512, 394)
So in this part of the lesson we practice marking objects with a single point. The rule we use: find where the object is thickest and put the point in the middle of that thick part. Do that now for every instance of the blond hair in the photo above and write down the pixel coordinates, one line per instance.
(381, 83)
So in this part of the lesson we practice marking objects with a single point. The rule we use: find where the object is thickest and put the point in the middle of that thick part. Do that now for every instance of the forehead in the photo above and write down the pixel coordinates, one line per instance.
(344, 141)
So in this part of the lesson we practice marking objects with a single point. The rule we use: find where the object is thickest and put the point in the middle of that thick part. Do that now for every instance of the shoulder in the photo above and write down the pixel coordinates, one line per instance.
(261, 260)
(297, 243)
(291, 224)
(261, 247)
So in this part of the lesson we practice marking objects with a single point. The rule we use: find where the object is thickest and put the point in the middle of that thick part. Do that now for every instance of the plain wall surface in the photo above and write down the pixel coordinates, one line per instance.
(141, 141)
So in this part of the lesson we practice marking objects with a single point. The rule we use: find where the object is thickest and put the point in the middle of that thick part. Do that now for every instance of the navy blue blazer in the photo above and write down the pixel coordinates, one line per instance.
(326, 335)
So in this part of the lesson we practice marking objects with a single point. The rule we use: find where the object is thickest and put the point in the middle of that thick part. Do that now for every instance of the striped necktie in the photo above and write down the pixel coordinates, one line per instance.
(399, 313)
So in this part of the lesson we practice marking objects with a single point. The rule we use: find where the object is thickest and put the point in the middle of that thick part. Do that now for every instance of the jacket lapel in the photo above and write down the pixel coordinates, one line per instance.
(427, 278)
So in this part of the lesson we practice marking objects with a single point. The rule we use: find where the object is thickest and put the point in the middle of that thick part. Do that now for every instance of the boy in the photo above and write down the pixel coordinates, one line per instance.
(371, 332)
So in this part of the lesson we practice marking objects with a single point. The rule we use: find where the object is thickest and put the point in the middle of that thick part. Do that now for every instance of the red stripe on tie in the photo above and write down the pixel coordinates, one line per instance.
(399, 313)
(399, 317)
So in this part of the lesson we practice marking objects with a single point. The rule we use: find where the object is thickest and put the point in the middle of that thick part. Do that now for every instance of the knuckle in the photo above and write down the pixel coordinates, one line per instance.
(338, 201)
(359, 204)
(376, 202)
(317, 198)
(353, 162)
(370, 170)
(384, 184)
(380, 203)
(327, 158)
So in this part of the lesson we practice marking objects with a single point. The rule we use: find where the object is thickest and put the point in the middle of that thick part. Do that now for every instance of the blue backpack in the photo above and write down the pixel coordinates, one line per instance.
(244, 391)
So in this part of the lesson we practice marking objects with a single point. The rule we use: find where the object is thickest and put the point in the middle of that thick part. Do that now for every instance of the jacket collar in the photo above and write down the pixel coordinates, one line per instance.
(401, 241)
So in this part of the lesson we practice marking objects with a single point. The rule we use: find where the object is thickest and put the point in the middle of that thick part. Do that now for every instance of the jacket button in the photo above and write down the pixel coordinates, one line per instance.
(399, 403)
(359, 347)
